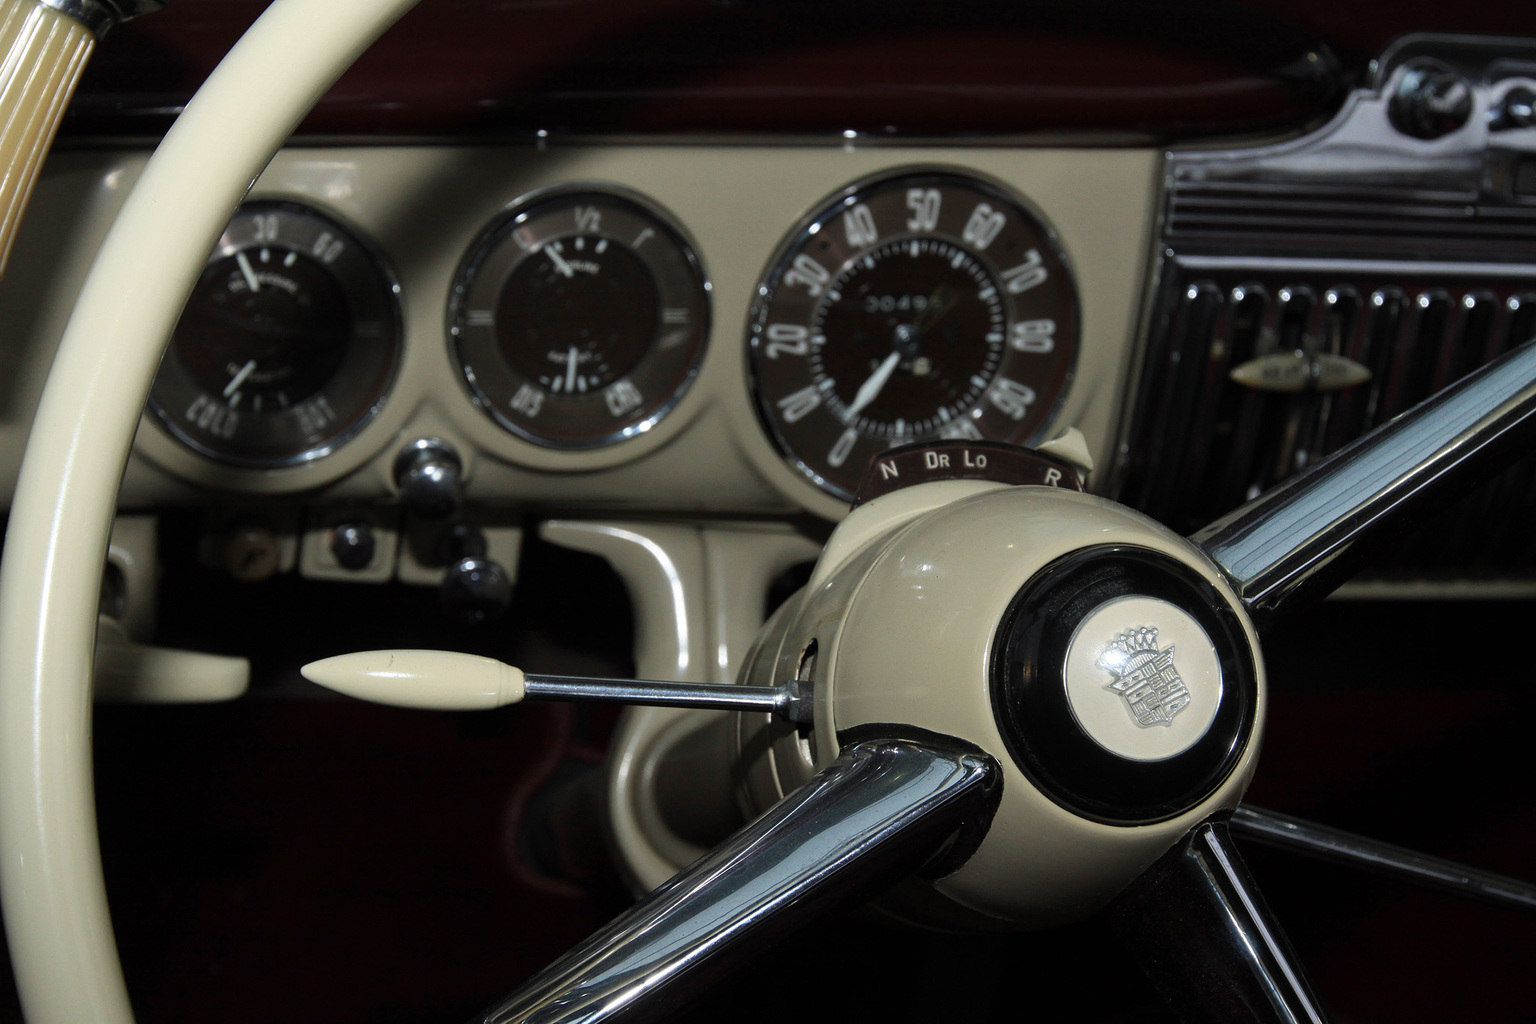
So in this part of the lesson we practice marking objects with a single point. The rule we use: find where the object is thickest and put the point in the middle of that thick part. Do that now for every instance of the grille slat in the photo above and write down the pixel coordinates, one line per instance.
(1203, 311)
(1340, 324)
(1296, 330)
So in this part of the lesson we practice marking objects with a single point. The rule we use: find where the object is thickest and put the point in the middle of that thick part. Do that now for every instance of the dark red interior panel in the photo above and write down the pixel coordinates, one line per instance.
(1103, 70)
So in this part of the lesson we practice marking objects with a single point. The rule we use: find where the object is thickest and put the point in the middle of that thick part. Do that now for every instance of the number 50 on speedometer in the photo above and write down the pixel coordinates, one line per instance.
(920, 305)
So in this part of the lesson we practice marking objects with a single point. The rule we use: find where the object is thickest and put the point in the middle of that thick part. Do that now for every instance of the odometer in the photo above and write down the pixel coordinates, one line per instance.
(917, 306)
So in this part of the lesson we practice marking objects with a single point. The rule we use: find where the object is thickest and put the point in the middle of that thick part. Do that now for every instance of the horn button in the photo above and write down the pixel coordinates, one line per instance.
(1123, 683)
(1139, 663)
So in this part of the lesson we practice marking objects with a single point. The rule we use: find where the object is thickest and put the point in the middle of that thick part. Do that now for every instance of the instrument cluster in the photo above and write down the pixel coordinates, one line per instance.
(924, 299)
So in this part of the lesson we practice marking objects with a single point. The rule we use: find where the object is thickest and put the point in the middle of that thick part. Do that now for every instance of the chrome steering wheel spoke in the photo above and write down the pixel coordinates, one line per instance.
(1204, 935)
(882, 810)
(1302, 537)
(1337, 846)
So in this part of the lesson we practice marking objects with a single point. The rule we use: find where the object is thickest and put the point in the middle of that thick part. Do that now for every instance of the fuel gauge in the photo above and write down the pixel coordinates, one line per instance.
(578, 320)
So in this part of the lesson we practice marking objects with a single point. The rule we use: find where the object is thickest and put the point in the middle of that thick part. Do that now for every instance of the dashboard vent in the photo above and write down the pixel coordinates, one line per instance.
(1345, 275)
(1201, 443)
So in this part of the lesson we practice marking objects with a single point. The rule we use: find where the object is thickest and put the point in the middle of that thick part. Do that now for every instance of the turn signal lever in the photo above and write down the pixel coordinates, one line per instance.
(449, 681)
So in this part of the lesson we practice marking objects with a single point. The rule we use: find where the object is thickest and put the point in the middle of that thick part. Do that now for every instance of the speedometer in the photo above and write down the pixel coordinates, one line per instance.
(917, 306)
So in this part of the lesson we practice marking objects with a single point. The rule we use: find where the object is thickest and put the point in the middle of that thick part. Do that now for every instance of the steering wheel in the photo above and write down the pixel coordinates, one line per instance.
(966, 792)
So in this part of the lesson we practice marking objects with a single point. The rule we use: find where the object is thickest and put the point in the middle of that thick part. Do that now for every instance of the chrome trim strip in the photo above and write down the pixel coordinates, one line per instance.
(1343, 266)
(1293, 537)
(1337, 846)
(875, 814)
(100, 15)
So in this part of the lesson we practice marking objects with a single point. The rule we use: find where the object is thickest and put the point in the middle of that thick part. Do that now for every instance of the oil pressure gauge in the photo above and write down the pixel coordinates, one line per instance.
(578, 320)
(288, 344)
(923, 305)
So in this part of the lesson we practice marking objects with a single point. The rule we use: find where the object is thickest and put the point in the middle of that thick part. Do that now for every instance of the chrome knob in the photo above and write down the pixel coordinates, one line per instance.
(1430, 101)
(430, 477)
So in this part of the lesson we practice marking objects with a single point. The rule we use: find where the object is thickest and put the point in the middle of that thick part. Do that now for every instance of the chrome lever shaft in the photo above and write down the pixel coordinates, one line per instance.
(790, 700)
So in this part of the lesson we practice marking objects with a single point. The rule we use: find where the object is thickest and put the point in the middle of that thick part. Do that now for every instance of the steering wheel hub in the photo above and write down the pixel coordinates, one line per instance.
(1102, 661)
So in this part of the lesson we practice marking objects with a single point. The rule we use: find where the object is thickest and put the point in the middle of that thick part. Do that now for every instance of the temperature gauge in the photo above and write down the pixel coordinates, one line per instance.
(579, 319)
(288, 344)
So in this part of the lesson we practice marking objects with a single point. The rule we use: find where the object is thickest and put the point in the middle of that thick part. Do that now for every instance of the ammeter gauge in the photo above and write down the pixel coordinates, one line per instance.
(918, 306)
(288, 344)
(579, 319)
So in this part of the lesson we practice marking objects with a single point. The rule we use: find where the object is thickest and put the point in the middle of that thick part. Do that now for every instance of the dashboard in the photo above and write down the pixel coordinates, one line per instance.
(713, 440)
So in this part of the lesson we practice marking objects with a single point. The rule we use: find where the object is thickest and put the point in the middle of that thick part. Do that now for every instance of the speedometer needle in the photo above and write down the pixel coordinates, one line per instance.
(870, 389)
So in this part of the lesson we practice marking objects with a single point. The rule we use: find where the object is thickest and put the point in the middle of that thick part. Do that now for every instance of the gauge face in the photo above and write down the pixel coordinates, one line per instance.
(579, 319)
(919, 306)
(287, 346)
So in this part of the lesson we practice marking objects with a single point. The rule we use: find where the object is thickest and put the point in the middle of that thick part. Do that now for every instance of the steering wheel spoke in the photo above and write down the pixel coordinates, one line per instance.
(881, 810)
(1300, 538)
(1340, 847)
(1203, 933)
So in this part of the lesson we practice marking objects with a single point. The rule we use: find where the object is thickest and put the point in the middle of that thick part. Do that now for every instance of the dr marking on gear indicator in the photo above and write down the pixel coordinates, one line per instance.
(1146, 677)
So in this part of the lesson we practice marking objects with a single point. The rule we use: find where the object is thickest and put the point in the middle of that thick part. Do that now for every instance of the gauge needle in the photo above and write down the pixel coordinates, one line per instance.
(560, 264)
(870, 389)
(239, 378)
(570, 371)
(250, 274)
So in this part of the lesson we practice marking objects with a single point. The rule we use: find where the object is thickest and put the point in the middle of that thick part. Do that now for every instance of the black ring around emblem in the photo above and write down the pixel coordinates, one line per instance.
(1029, 694)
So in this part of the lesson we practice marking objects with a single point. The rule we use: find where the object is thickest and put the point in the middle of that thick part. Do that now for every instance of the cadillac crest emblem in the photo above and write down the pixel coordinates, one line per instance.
(1146, 677)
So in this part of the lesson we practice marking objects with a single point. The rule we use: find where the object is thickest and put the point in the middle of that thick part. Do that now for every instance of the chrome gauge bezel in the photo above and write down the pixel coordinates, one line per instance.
(949, 230)
(351, 396)
(660, 378)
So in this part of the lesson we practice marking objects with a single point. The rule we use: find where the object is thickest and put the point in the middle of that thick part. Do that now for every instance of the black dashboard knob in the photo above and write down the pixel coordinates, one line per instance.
(430, 477)
(1430, 101)
(353, 544)
(476, 590)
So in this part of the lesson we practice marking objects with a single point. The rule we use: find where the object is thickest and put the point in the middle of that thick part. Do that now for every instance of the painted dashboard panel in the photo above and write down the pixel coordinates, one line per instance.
(424, 206)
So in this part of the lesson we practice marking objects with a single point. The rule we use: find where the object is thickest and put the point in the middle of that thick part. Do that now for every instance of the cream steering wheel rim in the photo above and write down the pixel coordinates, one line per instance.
(51, 885)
